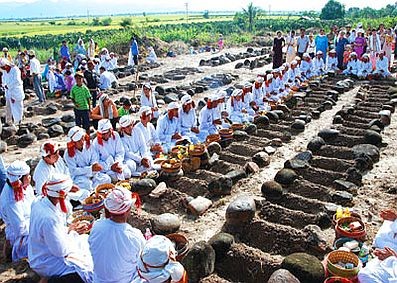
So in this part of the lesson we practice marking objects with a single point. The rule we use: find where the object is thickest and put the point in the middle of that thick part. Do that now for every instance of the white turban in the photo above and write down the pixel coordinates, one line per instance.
(213, 97)
(259, 79)
(104, 126)
(306, 55)
(294, 62)
(247, 85)
(221, 94)
(157, 261)
(319, 52)
(4, 62)
(297, 58)
(119, 201)
(76, 133)
(236, 92)
(57, 185)
(353, 54)
(365, 55)
(145, 110)
(332, 51)
(48, 148)
(173, 105)
(147, 85)
(269, 77)
(186, 99)
(125, 121)
(16, 170)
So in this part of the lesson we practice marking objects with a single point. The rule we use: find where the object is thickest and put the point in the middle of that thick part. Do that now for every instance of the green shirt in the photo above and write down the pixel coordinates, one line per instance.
(123, 112)
(81, 97)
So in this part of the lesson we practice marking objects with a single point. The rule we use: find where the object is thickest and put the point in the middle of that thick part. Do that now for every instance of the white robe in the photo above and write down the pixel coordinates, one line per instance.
(382, 67)
(206, 120)
(235, 111)
(332, 63)
(306, 69)
(377, 271)
(14, 90)
(149, 134)
(187, 121)
(166, 128)
(51, 81)
(152, 57)
(150, 102)
(52, 251)
(80, 167)
(110, 152)
(106, 79)
(318, 66)
(352, 67)
(135, 150)
(364, 69)
(115, 249)
(16, 216)
(386, 236)
(43, 172)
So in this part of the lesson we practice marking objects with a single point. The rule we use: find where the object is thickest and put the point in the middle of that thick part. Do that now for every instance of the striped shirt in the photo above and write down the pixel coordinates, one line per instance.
(81, 97)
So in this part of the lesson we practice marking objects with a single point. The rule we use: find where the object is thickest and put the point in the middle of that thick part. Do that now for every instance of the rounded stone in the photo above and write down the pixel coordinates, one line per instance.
(372, 137)
(328, 134)
(262, 121)
(67, 118)
(240, 211)
(26, 140)
(298, 125)
(305, 267)
(48, 122)
(221, 243)
(199, 262)
(8, 132)
(282, 276)
(55, 131)
(214, 147)
(272, 190)
(166, 223)
(221, 186)
(144, 187)
(43, 136)
(261, 158)
(240, 136)
(315, 144)
(366, 149)
(251, 129)
(286, 176)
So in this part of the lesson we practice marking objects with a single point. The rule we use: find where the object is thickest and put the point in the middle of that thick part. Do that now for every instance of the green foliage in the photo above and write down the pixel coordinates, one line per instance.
(251, 13)
(126, 22)
(106, 22)
(369, 13)
(51, 23)
(71, 23)
(332, 10)
(206, 14)
(96, 22)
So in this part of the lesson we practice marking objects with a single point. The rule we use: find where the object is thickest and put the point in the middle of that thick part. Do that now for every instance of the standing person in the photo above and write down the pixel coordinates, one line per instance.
(35, 72)
(302, 43)
(311, 49)
(14, 94)
(6, 54)
(291, 47)
(278, 44)
(134, 52)
(79, 48)
(115, 245)
(374, 45)
(340, 48)
(220, 42)
(331, 37)
(388, 45)
(92, 80)
(359, 43)
(81, 98)
(321, 42)
(91, 49)
(54, 250)
(15, 201)
(64, 51)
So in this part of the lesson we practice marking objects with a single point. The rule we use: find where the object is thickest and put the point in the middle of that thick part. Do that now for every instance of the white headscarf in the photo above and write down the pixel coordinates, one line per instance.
(157, 262)
(58, 186)
(186, 99)
(145, 110)
(125, 121)
(4, 62)
(119, 201)
(75, 134)
(104, 125)
(48, 148)
(102, 107)
(17, 170)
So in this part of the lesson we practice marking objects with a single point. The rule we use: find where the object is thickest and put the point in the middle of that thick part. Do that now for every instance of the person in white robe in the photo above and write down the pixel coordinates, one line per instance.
(152, 57)
(113, 61)
(83, 162)
(332, 61)
(248, 101)
(318, 64)
(167, 127)
(137, 155)
(219, 113)
(306, 66)
(353, 65)
(207, 119)
(258, 93)
(103, 54)
(15, 202)
(114, 244)
(269, 87)
(291, 43)
(14, 94)
(107, 63)
(148, 98)
(382, 269)
(149, 132)
(106, 79)
(276, 87)
(111, 152)
(51, 79)
(157, 263)
(386, 236)
(374, 46)
(236, 108)
(51, 162)
(55, 250)
(293, 74)
(91, 49)
(188, 121)
(382, 66)
(364, 67)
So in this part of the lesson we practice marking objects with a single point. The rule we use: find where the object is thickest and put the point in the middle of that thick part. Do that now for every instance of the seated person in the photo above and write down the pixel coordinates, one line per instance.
(364, 67)
(386, 236)
(382, 269)
(167, 127)
(15, 202)
(111, 152)
(318, 64)
(125, 109)
(149, 132)
(352, 65)
(137, 155)
(208, 119)
(188, 121)
(107, 79)
(106, 109)
(157, 263)
(148, 98)
(83, 162)
(306, 67)
(247, 99)
(152, 57)
(113, 60)
(332, 61)
(54, 250)
(236, 108)
(382, 66)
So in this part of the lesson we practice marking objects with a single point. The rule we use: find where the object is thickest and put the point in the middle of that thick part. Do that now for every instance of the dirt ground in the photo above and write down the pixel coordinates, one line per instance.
(380, 185)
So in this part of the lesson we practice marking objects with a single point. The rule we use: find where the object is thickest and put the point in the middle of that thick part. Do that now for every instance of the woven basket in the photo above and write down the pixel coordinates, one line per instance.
(125, 184)
(352, 214)
(339, 243)
(213, 138)
(343, 233)
(104, 189)
(198, 150)
(89, 206)
(236, 127)
(88, 218)
(336, 279)
(345, 257)
(181, 245)
(167, 167)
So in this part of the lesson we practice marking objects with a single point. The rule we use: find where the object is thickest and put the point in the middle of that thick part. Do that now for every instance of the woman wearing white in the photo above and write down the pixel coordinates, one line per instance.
(148, 99)
(291, 46)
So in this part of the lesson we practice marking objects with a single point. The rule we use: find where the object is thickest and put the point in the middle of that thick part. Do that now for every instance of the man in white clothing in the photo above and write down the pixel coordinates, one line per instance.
(332, 61)
(83, 162)
(111, 152)
(208, 119)
(167, 127)
(55, 251)
(382, 66)
(188, 121)
(148, 98)
(35, 72)
(365, 67)
(137, 155)
(318, 64)
(149, 132)
(14, 94)
(352, 65)
(115, 245)
(15, 202)
(382, 269)
(107, 79)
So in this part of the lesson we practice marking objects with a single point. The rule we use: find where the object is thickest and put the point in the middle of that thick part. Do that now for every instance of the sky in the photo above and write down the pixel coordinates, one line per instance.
(201, 5)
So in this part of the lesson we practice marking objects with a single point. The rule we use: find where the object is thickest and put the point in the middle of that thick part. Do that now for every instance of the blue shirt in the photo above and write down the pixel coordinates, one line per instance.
(321, 43)
(65, 52)
(134, 48)
(340, 46)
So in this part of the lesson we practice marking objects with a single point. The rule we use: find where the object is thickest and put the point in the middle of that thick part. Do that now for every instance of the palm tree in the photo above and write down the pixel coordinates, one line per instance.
(251, 13)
